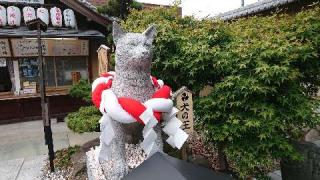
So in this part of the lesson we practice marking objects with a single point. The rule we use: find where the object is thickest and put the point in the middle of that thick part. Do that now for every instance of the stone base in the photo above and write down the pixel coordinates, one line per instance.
(98, 170)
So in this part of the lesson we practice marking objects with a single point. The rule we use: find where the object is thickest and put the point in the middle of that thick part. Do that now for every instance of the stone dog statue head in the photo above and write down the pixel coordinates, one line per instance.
(133, 50)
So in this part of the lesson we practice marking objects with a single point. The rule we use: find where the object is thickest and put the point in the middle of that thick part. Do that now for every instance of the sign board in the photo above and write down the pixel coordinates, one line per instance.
(23, 1)
(4, 48)
(50, 47)
(69, 47)
(27, 47)
(185, 114)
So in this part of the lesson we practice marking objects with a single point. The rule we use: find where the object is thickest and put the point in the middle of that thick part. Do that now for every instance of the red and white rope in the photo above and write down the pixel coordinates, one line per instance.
(128, 110)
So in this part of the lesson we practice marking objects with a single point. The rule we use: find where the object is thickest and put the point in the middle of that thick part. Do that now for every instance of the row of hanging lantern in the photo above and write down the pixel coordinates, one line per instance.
(12, 16)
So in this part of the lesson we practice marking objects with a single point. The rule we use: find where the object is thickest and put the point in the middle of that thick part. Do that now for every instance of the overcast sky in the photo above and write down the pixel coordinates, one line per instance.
(203, 8)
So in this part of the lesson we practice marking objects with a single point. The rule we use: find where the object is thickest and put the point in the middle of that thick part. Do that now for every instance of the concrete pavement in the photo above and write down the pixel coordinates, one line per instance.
(22, 148)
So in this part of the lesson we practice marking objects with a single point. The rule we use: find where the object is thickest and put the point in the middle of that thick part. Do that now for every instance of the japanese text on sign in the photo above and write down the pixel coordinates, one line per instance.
(4, 48)
(185, 114)
(29, 47)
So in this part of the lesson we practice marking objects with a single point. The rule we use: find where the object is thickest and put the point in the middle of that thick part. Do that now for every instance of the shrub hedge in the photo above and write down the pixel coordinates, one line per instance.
(86, 119)
(264, 71)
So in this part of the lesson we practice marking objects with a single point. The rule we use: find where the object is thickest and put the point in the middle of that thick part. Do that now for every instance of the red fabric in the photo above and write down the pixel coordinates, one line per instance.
(133, 107)
(105, 75)
(163, 92)
(96, 94)
(155, 82)
(157, 115)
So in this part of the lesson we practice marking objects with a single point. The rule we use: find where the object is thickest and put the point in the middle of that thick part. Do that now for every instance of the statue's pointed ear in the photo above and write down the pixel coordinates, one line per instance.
(150, 33)
(117, 32)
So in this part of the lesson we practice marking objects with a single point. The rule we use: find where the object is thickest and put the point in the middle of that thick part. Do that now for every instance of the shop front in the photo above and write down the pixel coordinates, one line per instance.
(69, 54)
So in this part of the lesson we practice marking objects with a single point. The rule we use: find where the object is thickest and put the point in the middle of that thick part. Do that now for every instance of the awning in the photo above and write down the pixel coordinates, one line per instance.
(50, 33)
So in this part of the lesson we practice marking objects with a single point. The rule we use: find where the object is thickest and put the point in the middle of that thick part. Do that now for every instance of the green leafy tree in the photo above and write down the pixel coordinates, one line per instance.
(264, 98)
(119, 8)
(264, 71)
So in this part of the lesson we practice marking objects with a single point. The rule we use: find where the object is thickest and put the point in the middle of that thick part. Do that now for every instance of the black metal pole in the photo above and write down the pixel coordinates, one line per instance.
(242, 3)
(44, 103)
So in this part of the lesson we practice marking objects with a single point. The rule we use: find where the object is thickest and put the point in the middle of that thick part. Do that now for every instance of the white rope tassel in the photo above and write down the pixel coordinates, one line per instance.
(149, 135)
(177, 136)
(107, 135)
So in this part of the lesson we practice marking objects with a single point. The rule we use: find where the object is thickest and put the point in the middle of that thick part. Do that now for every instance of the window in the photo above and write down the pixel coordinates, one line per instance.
(65, 66)
(29, 75)
(58, 70)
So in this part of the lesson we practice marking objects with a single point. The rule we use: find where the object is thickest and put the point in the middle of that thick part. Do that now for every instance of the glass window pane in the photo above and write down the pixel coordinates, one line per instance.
(65, 66)
(29, 74)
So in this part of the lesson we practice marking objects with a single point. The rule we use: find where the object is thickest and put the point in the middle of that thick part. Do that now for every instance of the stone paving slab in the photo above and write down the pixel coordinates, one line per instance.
(31, 169)
(22, 147)
(9, 170)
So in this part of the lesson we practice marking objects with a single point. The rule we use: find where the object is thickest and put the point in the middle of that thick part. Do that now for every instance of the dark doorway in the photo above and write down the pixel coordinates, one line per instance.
(5, 82)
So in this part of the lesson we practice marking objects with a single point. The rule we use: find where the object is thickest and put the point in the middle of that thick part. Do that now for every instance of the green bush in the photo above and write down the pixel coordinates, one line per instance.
(86, 119)
(264, 71)
(81, 90)
(263, 100)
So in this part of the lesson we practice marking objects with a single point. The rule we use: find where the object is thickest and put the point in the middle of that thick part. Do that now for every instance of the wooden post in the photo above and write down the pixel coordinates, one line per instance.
(185, 105)
(39, 25)
(104, 58)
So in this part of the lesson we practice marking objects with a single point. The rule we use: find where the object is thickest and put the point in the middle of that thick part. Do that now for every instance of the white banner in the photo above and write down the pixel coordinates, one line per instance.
(3, 16)
(14, 16)
(43, 14)
(28, 14)
(69, 18)
(56, 17)
(24, 1)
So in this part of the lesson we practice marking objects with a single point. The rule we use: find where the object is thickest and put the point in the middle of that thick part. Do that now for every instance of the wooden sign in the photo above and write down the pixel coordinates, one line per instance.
(24, 1)
(76, 76)
(4, 48)
(185, 106)
(28, 47)
(50, 47)
(69, 48)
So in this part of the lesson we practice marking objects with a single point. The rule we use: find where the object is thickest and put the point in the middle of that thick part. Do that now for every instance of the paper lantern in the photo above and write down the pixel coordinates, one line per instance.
(3, 16)
(43, 14)
(56, 17)
(14, 16)
(28, 13)
(69, 18)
